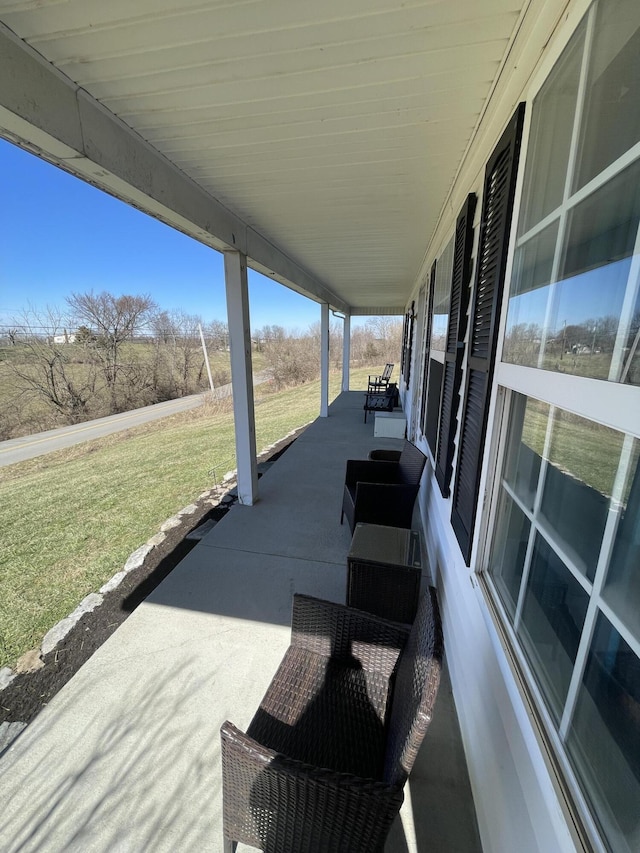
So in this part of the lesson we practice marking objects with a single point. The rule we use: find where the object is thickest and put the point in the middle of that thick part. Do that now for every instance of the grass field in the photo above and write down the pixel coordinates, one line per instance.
(70, 519)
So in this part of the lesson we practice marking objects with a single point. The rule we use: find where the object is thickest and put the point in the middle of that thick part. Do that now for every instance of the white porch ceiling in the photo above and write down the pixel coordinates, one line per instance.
(332, 130)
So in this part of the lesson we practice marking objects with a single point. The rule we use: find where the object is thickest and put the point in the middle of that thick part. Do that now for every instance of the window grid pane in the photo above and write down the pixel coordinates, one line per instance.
(574, 306)
(604, 740)
(552, 457)
(442, 297)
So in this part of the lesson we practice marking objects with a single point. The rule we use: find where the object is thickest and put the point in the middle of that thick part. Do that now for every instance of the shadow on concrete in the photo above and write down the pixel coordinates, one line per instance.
(127, 756)
(132, 776)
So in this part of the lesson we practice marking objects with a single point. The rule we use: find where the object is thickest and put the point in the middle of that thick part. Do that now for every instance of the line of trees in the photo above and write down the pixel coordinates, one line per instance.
(103, 354)
(294, 357)
(100, 355)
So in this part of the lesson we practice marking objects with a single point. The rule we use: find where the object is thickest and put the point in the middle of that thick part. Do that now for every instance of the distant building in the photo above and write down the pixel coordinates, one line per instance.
(65, 339)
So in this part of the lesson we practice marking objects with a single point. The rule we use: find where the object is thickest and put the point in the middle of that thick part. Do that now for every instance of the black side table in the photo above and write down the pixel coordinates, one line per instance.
(384, 571)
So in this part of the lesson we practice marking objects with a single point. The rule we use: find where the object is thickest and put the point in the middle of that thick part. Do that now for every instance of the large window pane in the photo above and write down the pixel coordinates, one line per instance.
(434, 390)
(533, 267)
(525, 445)
(604, 740)
(593, 322)
(612, 116)
(509, 551)
(442, 298)
(583, 459)
(552, 619)
(550, 138)
(622, 588)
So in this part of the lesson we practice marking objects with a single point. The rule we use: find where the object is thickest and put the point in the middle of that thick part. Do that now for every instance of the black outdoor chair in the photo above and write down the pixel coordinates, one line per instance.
(379, 383)
(381, 401)
(322, 766)
(383, 491)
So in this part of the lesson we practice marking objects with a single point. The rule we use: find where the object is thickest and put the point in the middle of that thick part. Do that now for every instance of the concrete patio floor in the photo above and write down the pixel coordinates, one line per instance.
(126, 757)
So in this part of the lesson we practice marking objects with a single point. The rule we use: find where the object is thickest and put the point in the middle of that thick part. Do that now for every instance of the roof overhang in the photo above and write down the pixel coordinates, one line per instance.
(321, 140)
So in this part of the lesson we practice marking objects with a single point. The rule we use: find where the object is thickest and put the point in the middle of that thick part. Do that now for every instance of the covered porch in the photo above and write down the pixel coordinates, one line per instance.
(127, 755)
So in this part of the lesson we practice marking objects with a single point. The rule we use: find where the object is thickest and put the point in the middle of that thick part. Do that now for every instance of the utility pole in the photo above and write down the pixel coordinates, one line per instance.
(206, 359)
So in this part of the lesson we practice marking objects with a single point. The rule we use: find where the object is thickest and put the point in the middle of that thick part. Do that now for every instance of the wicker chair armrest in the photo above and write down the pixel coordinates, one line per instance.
(367, 471)
(353, 813)
(385, 455)
(335, 630)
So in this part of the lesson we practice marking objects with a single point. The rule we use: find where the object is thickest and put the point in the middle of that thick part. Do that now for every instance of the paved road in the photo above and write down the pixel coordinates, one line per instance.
(30, 446)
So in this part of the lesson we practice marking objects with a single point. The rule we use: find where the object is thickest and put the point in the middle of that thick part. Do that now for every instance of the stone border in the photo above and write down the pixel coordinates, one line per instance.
(32, 660)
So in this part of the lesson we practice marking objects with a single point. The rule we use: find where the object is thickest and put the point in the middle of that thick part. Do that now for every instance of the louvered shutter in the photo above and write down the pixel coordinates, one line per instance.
(450, 399)
(409, 353)
(427, 347)
(403, 355)
(497, 209)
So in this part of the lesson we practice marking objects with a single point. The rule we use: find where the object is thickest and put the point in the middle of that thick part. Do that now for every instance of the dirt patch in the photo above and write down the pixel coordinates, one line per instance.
(29, 692)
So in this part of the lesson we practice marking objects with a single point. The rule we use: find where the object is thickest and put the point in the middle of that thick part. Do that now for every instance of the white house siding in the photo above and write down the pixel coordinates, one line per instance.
(517, 796)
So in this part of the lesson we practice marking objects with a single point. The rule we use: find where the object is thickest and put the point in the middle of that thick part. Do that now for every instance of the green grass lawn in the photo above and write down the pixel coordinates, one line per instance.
(70, 519)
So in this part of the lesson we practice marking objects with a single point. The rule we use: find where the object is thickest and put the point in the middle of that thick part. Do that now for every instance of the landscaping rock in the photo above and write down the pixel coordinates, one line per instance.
(112, 583)
(170, 523)
(30, 661)
(188, 510)
(59, 631)
(8, 733)
(6, 677)
(137, 558)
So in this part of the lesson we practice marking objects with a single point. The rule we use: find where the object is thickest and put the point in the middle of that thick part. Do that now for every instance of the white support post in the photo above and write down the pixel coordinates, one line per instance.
(324, 360)
(346, 352)
(235, 274)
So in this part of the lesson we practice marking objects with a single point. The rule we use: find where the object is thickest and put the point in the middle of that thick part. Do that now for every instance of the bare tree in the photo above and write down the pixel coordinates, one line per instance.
(386, 334)
(115, 319)
(294, 357)
(377, 341)
(188, 357)
(49, 369)
(217, 334)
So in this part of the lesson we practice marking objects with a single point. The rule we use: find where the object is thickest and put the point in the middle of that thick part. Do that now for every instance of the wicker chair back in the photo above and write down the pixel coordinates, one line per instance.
(415, 690)
(411, 465)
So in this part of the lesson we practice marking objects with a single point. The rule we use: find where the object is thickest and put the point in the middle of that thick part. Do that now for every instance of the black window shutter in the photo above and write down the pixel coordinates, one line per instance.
(497, 209)
(409, 351)
(403, 354)
(456, 330)
(427, 347)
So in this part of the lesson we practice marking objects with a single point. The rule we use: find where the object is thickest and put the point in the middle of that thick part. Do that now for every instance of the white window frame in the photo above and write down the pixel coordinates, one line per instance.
(604, 401)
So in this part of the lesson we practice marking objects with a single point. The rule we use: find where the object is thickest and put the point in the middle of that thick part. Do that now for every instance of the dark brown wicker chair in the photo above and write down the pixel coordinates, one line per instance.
(324, 761)
(383, 455)
(383, 491)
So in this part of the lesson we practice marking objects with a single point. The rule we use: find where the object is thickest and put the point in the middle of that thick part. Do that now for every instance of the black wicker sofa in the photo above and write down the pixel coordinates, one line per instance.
(323, 763)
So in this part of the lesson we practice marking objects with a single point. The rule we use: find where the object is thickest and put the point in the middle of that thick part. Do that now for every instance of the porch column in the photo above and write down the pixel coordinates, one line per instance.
(324, 360)
(346, 351)
(235, 275)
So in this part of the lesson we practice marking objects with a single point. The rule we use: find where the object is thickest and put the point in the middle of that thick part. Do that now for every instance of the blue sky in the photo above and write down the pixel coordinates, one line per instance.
(61, 235)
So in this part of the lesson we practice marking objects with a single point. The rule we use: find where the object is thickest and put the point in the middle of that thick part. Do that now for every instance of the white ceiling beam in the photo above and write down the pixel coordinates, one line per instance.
(378, 310)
